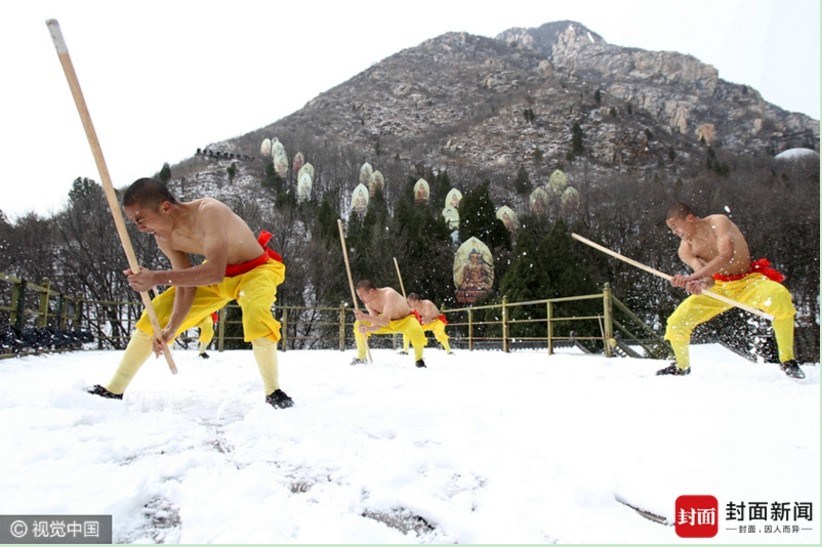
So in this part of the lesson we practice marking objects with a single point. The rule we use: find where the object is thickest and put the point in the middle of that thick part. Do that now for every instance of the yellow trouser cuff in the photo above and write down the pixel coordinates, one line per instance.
(682, 353)
(137, 352)
(783, 332)
(265, 353)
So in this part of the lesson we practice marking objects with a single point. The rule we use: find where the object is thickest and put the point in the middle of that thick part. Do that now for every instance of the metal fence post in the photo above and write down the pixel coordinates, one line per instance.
(221, 329)
(43, 316)
(18, 304)
(61, 312)
(608, 328)
(549, 327)
(77, 316)
(470, 330)
(284, 330)
(342, 326)
(505, 347)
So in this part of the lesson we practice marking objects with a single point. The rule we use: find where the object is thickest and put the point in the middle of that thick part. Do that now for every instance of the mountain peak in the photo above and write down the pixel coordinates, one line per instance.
(462, 102)
(545, 37)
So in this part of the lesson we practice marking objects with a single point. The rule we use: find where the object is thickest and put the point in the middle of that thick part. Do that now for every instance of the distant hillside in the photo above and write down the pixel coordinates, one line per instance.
(486, 108)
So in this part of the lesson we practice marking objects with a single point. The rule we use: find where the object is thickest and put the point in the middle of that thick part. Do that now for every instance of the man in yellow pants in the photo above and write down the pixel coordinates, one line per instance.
(717, 252)
(432, 321)
(206, 326)
(237, 266)
(387, 312)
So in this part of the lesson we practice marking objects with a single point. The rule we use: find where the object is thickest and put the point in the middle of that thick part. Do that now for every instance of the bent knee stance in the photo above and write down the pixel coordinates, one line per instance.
(693, 311)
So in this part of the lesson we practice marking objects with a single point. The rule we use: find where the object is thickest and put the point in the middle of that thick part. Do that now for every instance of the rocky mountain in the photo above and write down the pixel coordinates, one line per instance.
(537, 99)
(682, 93)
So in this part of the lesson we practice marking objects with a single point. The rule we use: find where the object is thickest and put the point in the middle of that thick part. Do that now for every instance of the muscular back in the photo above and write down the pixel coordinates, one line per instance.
(428, 310)
(389, 303)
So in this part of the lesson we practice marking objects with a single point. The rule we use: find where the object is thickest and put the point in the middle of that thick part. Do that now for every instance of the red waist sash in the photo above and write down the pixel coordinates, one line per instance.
(233, 270)
(762, 265)
(419, 318)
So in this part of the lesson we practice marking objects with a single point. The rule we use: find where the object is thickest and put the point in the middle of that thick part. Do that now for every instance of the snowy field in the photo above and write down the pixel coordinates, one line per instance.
(480, 447)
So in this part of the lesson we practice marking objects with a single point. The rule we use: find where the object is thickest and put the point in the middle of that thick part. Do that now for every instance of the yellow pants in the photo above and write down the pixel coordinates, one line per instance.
(755, 290)
(206, 326)
(407, 326)
(438, 328)
(255, 292)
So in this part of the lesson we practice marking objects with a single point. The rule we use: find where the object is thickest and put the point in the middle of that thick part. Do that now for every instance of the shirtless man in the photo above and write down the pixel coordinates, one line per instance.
(237, 266)
(387, 313)
(718, 254)
(431, 319)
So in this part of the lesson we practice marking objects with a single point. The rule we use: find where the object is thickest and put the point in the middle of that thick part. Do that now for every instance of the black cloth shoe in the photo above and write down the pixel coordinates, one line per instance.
(358, 361)
(278, 399)
(204, 355)
(791, 368)
(673, 370)
(403, 352)
(420, 364)
(104, 393)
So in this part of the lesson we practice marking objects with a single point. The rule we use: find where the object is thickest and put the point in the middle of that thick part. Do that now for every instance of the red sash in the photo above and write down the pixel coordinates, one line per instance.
(762, 265)
(419, 317)
(233, 270)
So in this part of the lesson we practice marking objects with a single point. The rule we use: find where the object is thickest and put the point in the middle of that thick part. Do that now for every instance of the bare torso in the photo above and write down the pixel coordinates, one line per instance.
(718, 239)
(205, 220)
(427, 310)
(389, 303)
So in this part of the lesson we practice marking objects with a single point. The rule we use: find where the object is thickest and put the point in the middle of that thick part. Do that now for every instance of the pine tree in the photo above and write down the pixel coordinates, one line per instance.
(165, 173)
(84, 189)
(231, 171)
(565, 275)
(369, 243)
(478, 219)
(424, 251)
(523, 281)
(439, 186)
(522, 184)
(576, 140)
(273, 180)
(325, 223)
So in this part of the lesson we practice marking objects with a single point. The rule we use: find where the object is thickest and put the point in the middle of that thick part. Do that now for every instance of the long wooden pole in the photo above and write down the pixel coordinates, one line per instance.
(399, 276)
(350, 279)
(108, 187)
(657, 273)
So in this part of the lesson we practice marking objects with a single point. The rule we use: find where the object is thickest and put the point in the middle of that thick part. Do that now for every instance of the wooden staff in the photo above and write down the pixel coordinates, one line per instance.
(108, 187)
(350, 279)
(657, 273)
(399, 276)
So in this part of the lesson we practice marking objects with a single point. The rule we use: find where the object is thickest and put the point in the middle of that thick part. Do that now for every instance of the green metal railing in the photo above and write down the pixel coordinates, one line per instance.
(504, 325)
(40, 303)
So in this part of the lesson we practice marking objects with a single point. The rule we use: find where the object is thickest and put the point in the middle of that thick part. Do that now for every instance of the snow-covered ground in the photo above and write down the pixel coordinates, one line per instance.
(480, 447)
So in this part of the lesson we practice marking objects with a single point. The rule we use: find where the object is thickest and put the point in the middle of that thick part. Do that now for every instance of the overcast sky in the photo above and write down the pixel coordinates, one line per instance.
(162, 78)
